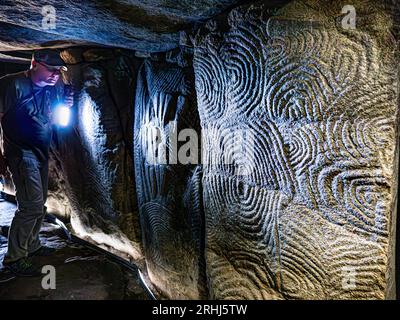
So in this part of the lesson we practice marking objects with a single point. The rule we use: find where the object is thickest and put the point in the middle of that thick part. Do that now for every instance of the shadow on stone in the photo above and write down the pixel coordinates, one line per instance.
(80, 274)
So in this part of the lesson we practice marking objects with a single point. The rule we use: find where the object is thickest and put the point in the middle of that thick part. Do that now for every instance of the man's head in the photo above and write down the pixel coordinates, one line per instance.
(46, 67)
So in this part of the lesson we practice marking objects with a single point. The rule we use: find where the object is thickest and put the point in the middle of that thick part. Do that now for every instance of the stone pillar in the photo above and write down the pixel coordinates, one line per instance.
(306, 209)
(91, 173)
(169, 191)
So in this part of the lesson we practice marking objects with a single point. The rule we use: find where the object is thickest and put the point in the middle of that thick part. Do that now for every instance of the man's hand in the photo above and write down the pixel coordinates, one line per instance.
(69, 101)
(68, 96)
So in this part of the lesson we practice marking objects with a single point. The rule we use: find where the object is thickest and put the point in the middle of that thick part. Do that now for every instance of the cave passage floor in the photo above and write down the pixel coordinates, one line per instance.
(81, 274)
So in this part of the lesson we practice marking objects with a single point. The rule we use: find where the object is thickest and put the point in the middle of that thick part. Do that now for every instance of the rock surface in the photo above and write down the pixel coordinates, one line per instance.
(312, 214)
(305, 206)
(151, 25)
(81, 274)
(169, 192)
(92, 180)
(91, 171)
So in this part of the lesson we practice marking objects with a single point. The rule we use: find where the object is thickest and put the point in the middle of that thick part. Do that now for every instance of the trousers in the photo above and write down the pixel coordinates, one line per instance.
(30, 178)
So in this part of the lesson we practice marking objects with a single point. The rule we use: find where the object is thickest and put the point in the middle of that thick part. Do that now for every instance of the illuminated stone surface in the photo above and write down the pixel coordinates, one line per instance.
(169, 195)
(314, 219)
(80, 274)
(92, 179)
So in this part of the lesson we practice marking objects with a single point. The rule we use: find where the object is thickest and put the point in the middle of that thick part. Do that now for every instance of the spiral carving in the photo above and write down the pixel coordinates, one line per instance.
(321, 104)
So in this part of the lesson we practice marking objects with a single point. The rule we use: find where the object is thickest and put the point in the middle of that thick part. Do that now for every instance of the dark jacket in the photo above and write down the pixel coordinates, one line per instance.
(26, 124)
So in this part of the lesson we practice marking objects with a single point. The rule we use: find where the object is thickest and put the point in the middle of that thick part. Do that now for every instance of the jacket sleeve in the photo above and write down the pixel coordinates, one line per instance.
(8, 94)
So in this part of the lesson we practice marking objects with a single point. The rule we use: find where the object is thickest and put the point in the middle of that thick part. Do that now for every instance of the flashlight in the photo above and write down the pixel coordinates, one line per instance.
(62, 113)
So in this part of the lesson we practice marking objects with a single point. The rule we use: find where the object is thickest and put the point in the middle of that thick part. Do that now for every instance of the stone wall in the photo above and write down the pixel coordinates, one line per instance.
(313, 217)
(169, 192)
(91, 173)
(295, 194)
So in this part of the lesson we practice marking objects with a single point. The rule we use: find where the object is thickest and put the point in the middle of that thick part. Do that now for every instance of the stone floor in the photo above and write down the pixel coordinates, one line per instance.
(81, 273)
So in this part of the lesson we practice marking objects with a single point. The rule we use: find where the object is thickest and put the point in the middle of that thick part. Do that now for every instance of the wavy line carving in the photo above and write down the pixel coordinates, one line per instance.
(321, 103)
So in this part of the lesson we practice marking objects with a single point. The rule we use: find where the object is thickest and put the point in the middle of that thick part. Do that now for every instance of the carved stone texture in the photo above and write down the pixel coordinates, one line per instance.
(91, 172)
(169, 193)
(312, 216)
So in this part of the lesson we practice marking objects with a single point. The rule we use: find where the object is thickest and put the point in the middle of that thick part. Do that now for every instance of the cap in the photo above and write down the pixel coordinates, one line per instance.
(50, 58)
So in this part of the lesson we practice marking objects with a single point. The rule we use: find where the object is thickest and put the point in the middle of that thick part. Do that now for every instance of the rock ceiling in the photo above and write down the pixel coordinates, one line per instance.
(146, 25)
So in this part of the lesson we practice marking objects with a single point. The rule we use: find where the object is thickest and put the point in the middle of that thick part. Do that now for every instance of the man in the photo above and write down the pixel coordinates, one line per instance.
(26, 102)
